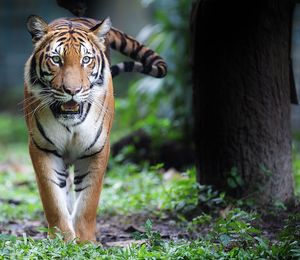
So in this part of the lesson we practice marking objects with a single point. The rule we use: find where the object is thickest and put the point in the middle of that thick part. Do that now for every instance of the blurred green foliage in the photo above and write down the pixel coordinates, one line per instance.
(163, 107)
(12, 129)
(296, 165)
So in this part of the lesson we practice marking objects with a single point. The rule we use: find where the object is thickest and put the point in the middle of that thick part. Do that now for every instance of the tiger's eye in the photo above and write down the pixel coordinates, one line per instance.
(56, 59)
(86, 59)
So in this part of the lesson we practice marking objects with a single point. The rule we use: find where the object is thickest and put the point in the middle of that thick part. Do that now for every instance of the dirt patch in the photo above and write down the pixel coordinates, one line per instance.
(119, 229)
(109, 228)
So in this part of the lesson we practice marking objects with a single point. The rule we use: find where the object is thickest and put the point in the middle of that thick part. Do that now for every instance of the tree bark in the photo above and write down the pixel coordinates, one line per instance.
(241, 84)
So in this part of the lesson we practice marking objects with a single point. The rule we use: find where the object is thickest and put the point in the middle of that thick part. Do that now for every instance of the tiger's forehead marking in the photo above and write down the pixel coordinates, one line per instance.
(71, 28)
(71, 35)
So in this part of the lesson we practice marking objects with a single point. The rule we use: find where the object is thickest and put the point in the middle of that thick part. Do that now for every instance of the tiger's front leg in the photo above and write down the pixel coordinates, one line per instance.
(51, 178)
(88, 178)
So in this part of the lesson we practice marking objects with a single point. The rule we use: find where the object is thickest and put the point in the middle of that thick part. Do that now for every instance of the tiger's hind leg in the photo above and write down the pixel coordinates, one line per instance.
(88, 185)
(51, 180)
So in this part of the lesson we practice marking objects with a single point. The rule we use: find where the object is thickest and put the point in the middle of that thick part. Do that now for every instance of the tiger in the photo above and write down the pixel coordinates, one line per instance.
(69, 109)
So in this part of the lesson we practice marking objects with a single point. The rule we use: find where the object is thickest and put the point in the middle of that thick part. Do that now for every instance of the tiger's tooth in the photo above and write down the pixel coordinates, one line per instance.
(71, 109)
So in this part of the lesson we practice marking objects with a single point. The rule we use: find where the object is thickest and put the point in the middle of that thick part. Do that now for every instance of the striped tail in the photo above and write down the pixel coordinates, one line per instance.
(146, 61)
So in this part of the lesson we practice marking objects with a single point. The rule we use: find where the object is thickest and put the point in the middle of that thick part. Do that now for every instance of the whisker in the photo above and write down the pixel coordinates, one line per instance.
(106, 110)
(44, 103)
(55, 91)
(34, 99)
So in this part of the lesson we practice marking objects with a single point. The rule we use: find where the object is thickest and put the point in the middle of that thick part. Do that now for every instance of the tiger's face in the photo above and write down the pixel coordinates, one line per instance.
(68, 67)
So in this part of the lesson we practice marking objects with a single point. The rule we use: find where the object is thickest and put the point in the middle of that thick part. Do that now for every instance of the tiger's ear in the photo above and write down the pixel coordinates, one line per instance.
(102, 28)
(37, 27)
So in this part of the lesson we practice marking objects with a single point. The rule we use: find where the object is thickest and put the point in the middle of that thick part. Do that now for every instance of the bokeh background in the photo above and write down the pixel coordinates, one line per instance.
(153, 120)
(161, 24)
(162, 108)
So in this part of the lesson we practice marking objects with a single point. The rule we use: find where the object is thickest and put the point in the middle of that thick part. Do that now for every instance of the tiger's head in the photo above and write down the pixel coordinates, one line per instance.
(68, 67)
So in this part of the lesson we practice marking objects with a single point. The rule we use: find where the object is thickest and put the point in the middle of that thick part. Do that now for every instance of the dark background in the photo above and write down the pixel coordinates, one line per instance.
(134, 17)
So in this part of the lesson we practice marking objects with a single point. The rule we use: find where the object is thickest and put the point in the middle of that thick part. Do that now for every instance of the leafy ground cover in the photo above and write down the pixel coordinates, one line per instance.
(145, 213)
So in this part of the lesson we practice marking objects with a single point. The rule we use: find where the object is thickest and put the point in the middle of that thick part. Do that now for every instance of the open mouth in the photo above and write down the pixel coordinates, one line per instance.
(70, 107)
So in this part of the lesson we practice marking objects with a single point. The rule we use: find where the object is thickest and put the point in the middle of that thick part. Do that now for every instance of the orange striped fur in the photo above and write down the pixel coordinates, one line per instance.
(69, 108)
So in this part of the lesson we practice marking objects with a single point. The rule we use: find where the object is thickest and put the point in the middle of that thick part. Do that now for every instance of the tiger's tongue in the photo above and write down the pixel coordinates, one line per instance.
(70, 106)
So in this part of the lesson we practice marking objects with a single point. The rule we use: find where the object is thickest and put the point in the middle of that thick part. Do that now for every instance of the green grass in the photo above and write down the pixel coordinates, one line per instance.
(296, 167)
(138, 189)
(221, 245)
(130, 189)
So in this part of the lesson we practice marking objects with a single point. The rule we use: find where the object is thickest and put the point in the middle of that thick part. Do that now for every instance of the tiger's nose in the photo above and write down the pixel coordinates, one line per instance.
(72, 90)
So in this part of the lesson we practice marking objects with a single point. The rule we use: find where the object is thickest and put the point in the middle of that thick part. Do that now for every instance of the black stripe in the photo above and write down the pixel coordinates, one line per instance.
(96, 137)
(61, 179)
(62, 26)
(103, 63)
(84, 116)
(62, 34)
(33, 76)
(61, 43)
(113, 45)
(123, 43)
(62, 39)
(134, 54)
(81, 189)
(45, 91)
(160, 72)
(97, 62)
(47, 63)
(80, 39)
(99, 82)
(146, 69)
(40, 66)
(64, 174)
(62, 184)
(146, 55)
(155, 58)
(78, 179)
(42, 84)
(114, 70)
(128, 66)
(68, 129)
(46, 73)
(42, 132)
(92, 69)
(46, 150)
(43, 44)
(90, 155)
(79, 33)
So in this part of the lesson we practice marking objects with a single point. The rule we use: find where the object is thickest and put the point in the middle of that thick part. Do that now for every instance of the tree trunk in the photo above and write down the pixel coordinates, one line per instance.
(241, 83)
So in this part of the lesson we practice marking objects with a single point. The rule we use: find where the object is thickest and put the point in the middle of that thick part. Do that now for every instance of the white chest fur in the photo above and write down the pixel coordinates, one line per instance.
(71, 142)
